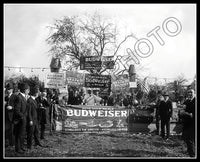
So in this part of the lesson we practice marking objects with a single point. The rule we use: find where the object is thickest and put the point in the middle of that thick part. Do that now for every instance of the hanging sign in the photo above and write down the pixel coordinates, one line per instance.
(96, 62)
(74, 78)
(97, 81)
(54, 80)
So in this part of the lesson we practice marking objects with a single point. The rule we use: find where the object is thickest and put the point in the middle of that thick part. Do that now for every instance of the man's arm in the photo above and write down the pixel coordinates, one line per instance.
(17, 107)
(183, 113)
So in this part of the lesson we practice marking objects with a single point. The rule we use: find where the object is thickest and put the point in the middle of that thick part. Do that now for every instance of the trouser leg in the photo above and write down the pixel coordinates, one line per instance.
(190, 147)
(30, 136)
(36, 134)
(42, 131)
(22, 135)
(168, 127)
(162, 128)
(157, 126)
(17, 142)
(12, 138)
(17, 138)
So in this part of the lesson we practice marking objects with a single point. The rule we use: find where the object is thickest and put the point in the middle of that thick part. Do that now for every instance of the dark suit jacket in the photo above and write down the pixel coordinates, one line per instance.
(165, 109)
(20, 108)
(32, 107)
(10, 101)
(43, 103)
(189, 121)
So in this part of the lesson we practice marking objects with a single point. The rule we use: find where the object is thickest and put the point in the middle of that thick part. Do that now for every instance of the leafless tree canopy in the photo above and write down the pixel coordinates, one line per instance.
(88, 36)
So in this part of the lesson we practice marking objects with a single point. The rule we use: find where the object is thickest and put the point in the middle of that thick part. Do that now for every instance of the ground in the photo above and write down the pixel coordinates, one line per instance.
(104, 145)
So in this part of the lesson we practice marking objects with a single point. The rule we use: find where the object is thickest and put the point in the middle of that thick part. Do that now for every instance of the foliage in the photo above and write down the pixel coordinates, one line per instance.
(152, 95)
(177, 88)
(73, 37)
(31, 81)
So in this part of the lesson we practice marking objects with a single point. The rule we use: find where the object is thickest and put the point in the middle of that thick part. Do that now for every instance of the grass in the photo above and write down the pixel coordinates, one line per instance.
(68, 145)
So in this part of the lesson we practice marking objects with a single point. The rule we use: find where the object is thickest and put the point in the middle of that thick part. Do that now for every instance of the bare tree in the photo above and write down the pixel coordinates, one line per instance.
(91, 36)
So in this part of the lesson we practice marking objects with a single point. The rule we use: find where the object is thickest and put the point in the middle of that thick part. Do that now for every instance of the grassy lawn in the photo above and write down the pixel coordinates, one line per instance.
(104, 145)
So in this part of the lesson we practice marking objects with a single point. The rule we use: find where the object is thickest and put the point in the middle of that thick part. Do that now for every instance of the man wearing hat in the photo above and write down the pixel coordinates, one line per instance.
(9, 105)
(91, 99)
(159, 99)
(32, 119)
(188, 117)
(165, 113)
(19, 117)
(43, 105)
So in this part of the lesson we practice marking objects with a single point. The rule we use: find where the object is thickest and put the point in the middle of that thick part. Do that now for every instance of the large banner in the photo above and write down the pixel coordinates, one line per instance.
(97, 81)
(54, 80)
(92, 119)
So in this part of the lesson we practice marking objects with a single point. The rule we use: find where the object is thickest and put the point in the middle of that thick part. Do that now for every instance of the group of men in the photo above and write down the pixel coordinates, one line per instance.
(187, 115)
(25, 113)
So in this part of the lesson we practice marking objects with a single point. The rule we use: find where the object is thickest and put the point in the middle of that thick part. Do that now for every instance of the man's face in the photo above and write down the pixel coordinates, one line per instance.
(65, 98)
(37, 94)
(10, 91)
(44, 94)
(190, 94)
(27, 91)
(166, 97)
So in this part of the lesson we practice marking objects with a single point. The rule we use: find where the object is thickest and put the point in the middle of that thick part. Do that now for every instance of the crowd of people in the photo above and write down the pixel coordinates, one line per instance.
(27, 108)
(26, 115)
(186, 114)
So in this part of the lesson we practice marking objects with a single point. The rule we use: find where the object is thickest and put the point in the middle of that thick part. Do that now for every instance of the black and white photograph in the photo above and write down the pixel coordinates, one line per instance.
(99, 81)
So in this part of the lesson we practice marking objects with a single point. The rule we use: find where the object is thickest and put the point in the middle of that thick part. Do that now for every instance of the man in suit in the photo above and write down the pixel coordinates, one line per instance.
(20, 115)
(165, 113)
(159, 99)
(43, 105)
(9, 106)
(188, 117)
(32, 119)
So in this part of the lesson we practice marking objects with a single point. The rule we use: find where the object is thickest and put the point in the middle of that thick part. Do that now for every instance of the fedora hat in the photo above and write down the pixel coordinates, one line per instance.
(165, 94)
(23, 86)
(9, 86)
(34, 90)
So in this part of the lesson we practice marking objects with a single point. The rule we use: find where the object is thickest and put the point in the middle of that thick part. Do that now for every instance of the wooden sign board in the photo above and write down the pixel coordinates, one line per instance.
(54, 80)
(96, 62)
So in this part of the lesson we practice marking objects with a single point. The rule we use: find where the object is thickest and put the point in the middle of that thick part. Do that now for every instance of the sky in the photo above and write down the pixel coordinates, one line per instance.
(25, 31)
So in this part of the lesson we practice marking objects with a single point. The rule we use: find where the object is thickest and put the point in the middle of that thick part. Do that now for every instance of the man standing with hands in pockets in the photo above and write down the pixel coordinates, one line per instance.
(188, 117)
(20, 116)
(32, 123)
(165, 113)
